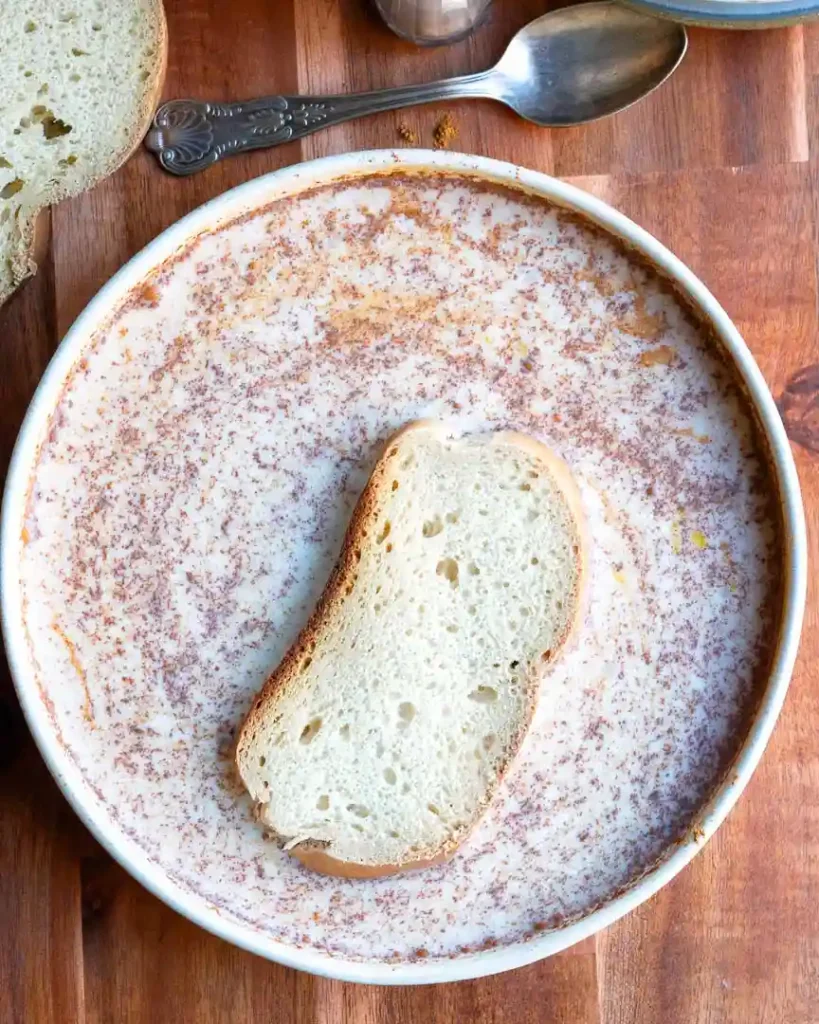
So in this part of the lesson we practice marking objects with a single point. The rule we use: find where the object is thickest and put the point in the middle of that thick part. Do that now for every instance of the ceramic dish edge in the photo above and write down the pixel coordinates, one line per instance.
(224, 208)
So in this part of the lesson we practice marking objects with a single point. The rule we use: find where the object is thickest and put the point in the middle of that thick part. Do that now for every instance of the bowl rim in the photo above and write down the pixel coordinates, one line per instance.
(226, 207)
(736, 14)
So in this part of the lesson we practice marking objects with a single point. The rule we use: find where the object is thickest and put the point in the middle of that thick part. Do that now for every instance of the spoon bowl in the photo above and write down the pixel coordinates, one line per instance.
(573, 65)
(581, 63)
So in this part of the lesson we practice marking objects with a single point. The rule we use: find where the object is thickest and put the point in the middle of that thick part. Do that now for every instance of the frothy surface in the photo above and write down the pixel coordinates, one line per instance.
(201, 467)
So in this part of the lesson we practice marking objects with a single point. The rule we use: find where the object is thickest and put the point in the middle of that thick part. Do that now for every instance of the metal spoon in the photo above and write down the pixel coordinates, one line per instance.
(567, 67)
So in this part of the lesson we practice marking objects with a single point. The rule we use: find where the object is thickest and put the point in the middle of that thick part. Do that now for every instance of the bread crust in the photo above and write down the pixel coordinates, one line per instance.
(312, 854)
(313, 857)
(23, 260)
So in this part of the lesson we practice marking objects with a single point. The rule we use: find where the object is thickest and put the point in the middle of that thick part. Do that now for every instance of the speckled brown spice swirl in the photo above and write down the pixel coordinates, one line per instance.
(200, 467)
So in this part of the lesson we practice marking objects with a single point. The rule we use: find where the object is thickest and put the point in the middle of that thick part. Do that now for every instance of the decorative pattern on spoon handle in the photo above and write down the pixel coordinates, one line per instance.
(189, 135)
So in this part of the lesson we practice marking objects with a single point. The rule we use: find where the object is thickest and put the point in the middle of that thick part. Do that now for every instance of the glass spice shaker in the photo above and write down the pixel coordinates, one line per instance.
(431, 22)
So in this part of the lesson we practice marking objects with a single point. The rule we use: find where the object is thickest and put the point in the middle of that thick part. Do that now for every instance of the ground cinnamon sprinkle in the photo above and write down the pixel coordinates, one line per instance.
(662, 356)
(148, 295)
(407, 134)
(444, 132)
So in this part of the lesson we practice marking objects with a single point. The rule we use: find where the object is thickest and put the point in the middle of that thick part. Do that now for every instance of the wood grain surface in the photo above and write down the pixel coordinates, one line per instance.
(722, 164)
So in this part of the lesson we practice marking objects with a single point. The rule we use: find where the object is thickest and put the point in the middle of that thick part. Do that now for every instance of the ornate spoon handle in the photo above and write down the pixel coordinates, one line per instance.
(189, 135)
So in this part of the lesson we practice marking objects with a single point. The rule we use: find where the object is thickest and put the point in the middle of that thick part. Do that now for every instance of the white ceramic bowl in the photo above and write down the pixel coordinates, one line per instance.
(227, 207)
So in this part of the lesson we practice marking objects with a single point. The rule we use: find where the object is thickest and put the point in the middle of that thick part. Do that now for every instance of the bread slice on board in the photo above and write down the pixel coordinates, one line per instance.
(381, 738)
(79, 80)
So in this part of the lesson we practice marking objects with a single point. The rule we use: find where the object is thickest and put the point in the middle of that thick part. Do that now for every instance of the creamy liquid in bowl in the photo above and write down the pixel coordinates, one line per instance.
(199, 471)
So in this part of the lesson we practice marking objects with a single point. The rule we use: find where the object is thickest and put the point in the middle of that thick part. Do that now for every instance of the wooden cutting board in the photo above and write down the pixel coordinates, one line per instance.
(722, 164)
